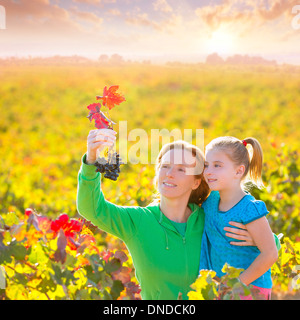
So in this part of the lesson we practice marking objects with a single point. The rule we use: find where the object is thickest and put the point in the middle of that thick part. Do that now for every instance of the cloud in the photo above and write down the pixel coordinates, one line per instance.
(94, 2)
(86, 16)
(162, 5)
(114, 12)
(253, 13)
(35, 17)
(35, 9)
(168, 25)
(142, 19)
(277, 8)
(224, 13)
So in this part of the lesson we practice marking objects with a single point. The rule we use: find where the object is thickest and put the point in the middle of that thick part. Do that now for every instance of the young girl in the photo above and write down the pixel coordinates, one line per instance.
(228, 166)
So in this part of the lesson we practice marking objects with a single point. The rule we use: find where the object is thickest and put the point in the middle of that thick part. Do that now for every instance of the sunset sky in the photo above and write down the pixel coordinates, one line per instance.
(182, 30)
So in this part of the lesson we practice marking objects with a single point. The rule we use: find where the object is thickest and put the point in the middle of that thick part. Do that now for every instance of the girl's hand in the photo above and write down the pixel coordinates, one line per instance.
(97, 140)
(239, 234)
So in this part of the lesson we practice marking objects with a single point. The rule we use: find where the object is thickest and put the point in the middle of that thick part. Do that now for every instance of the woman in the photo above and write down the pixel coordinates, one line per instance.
(164, 238)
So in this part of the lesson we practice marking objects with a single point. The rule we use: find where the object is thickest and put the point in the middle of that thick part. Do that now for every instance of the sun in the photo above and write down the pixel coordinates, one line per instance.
(221, 42)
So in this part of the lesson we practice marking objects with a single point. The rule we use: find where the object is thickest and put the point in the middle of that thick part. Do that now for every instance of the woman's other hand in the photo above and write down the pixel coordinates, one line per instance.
(239, 233)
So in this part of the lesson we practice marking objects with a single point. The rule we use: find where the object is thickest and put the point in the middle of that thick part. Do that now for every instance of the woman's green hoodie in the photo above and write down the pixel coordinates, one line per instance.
(166, 263)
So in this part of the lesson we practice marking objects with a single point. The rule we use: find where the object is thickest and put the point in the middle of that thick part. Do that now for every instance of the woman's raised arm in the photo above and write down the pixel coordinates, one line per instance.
(120, 221)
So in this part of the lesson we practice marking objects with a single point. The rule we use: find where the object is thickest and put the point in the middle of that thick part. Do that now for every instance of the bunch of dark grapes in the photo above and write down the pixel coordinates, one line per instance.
(110, 167)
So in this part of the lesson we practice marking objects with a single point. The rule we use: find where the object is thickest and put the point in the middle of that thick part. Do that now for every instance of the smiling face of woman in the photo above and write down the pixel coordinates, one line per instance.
(175, 175)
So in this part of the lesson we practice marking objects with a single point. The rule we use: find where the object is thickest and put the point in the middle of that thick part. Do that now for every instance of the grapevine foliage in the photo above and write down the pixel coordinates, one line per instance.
(59, 259)
(228, 287)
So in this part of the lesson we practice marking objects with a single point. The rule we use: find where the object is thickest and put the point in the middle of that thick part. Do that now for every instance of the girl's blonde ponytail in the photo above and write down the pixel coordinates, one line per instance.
(256, 162)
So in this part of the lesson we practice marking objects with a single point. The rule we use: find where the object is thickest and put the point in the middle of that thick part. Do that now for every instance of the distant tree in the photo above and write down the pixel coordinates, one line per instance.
(246, 59)
(116, 59)
(214, 58)
(104, 58)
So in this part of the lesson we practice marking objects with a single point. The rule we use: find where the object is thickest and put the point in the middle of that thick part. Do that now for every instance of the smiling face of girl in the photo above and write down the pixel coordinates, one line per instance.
(220, 172)
(175, 178)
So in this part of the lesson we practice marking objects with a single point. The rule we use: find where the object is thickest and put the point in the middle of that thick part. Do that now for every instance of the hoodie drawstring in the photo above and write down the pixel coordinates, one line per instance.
(166, 235)
(167, 241)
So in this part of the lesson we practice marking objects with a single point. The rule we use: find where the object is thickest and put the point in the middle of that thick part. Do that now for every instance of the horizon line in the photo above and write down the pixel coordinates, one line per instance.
(158, 59)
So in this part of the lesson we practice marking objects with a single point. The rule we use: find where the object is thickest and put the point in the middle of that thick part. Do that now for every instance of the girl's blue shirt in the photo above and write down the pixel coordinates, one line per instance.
(216, 249)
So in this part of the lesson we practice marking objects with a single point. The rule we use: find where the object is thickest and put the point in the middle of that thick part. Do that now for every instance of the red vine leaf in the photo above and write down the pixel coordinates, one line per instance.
(101, 121)
(132, 289)
(68, 227)
(106, 255)
(123, 274)
(111, 97)
(121, 255)
(94, 109)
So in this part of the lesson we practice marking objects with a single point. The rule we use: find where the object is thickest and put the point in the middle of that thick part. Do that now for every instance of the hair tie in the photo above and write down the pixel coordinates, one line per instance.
(244, 143)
